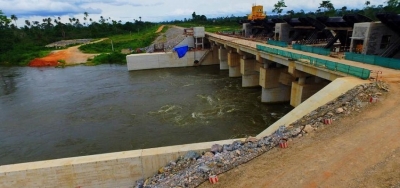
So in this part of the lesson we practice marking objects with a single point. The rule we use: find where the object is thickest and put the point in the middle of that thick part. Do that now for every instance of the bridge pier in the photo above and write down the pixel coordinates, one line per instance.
(305, 86)
(272, 89)
(304, 89)
(234, 64)
(249, 68)
(223, 59)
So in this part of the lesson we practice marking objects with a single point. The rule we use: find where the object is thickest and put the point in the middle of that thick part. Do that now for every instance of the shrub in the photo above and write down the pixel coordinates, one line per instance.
(110, 58)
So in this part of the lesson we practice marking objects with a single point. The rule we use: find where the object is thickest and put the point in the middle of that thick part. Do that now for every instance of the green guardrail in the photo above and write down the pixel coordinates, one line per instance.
(277, 43)
(311, 49)
(373, 60)
(330, 65)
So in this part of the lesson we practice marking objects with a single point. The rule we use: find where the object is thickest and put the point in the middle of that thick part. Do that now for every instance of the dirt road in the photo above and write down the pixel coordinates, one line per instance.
(358, 151)
(71, 55)
(160, 29)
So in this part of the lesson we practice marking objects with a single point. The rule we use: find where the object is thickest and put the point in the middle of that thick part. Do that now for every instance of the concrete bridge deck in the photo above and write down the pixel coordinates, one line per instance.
(388, 75)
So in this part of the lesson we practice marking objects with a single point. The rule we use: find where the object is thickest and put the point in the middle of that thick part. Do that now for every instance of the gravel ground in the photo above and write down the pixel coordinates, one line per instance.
(167, 41)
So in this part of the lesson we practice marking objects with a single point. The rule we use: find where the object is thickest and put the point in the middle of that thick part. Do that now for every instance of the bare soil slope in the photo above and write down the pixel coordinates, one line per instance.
(71, 55)
(362, 150)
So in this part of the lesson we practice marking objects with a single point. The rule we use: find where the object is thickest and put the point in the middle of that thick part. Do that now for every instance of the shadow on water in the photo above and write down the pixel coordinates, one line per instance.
(53, 113)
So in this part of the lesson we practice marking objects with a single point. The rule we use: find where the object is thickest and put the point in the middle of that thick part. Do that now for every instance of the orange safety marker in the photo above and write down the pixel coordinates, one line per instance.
(373, 99)
(328, 121)
(283, 143)
(213, 179)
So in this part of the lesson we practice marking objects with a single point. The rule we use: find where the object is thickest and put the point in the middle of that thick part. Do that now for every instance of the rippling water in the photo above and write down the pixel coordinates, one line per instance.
(49, 113)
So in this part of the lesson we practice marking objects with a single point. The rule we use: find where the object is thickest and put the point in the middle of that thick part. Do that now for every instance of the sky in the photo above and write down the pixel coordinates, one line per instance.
(153, 10)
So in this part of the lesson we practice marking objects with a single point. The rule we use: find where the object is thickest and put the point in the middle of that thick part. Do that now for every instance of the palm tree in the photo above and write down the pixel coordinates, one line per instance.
(278, 6)
(28, 23)
(140, 18)
(344, 8)
(326, 5)
(13, 17)
(86, 15)
(49, 22)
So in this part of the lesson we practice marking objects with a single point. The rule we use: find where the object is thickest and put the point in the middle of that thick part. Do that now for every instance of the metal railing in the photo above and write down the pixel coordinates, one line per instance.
(317, 62)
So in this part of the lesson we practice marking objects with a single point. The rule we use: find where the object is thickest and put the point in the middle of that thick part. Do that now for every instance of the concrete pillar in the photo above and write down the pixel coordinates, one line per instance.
(234, 72)
(286, 78)
(301, 92)
(282, 31)
(223, 58)
(212, 57)
(272, 89)
(276, 94)
(249, 68)
(234, 64)
(247, 28)
(302, 80)
(269, 78)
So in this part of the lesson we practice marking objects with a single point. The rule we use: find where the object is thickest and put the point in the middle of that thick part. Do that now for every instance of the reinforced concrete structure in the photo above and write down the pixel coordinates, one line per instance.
(281, 79)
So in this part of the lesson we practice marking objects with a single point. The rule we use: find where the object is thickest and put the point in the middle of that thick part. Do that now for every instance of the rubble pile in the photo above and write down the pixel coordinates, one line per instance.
(193, 169)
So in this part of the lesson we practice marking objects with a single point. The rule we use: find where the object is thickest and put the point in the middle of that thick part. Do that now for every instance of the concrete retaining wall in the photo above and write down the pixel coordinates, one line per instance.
(326, 94)
(119, 169)
(166, 60)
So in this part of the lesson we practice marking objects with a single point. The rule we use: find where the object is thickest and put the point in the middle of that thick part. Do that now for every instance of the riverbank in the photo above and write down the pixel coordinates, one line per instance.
(359, 150)
(187, 172)
(65, 57)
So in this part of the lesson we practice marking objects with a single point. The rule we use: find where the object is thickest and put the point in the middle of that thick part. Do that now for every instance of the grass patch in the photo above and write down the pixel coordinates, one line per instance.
(22, 54)
(133, 41)
(108, 58)
(212, 28)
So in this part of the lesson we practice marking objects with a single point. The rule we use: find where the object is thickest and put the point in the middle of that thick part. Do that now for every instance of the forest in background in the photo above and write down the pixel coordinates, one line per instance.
(20, 44)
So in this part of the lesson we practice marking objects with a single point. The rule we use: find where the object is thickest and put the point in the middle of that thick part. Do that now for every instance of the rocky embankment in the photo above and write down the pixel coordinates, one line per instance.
(167, 41)
(193, 169)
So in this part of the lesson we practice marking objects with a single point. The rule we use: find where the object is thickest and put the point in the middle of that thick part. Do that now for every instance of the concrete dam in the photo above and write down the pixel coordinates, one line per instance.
(281, 75)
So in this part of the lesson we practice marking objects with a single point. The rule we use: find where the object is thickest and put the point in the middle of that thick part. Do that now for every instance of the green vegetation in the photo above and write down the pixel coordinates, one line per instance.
(61, 63)
(212, 26)
(110, 48)
(110, 58)
(20, 45)
(124, 41)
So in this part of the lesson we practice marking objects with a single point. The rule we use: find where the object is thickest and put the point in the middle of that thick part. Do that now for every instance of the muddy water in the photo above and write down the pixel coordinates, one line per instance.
(48, 113)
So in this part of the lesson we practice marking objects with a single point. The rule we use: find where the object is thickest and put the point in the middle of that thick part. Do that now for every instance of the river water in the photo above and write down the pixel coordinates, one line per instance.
(48, 113)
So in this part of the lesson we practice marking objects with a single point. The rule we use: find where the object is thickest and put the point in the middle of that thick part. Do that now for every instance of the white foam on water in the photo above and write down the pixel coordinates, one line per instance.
(187, 85)
(210, 100)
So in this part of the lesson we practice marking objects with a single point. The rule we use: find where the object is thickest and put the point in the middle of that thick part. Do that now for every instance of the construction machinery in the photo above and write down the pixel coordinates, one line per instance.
(257, 13)
(257, 24)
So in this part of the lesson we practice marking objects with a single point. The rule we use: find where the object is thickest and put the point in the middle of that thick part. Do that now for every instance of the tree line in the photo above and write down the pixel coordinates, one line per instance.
(21, 43)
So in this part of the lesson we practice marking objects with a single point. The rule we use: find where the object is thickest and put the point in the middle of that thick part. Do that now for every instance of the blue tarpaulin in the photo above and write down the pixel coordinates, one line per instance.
(181, 50)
